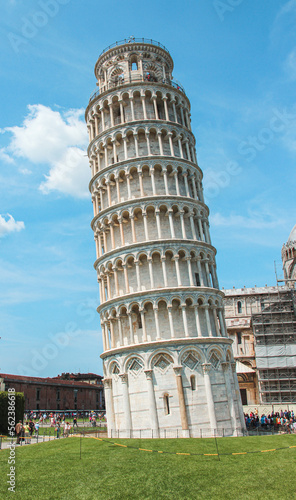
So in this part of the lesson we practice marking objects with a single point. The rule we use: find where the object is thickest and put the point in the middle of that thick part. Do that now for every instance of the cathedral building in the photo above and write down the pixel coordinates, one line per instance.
(168, 365)
(261, 321)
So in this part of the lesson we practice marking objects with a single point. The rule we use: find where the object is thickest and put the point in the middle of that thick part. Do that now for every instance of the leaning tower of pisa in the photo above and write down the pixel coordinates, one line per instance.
(168, 363)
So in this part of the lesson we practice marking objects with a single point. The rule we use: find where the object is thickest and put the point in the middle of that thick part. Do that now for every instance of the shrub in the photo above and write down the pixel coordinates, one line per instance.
(18, 412)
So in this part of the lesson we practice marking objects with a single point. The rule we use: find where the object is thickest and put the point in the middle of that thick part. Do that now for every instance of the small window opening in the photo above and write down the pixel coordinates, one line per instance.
(239, 337)
(134, 66)
(193, 383)
(239, 307)
(38, 394)
(139, 319)
(166, 404)
(197, 279)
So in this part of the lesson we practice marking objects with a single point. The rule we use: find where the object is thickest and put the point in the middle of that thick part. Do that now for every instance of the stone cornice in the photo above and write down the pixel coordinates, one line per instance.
(144, 200)
(144, 160)
(158, 293)
(120, 127)
(155, 244)
(133, 348)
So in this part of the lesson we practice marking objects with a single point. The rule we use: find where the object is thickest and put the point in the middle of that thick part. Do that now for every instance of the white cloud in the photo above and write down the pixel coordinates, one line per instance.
(57, 139)
(4, 156)
(69, 175)
(9, 225)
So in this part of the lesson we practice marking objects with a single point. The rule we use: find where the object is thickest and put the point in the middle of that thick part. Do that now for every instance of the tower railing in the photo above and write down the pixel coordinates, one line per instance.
(132, 39)
(132, 79)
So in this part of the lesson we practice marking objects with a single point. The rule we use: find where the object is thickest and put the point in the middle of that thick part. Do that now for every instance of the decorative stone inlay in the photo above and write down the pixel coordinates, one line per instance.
(214, 360)
(190, 361)
(135, 367)
(162, 362)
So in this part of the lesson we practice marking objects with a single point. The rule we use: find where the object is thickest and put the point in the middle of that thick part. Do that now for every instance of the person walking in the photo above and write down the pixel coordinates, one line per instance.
(58, 429)
(18, 431)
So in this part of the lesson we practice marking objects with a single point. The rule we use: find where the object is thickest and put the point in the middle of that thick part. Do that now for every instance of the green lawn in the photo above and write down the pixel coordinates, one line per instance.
(53, 470)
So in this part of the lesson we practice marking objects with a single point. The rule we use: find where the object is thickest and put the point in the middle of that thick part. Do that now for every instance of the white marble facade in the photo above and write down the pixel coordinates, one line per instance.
(168, 363)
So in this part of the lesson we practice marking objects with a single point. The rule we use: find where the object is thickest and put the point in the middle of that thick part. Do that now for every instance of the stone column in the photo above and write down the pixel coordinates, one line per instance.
(152, 181)
(209, 394)
(125, 147)
(120, 330)
(185, 175)
(148, 142)
(166, 108)
(191, 280)
(125, 278)
(109, 405)
(142, 312)
(112, 333)
(202, 237)
(170, 212)
(132, 109)
(121, 111)
(174, 109)
(132, 340)
(155, 108)
(222, 323)
(102, 119)
(227, 375)
(129, 195)
(218, 334)
(165, 179)
(171, 143)
(117, 188)
(171, 323)
(126, 405)
(121, 231)
(175, 172)
(184, 316)
(165, 280)
(208, 321)
(145, 226)
(159, 135)
(114, 151)
(144, 107)
(158, 223)
(198, 263)
(192, 226)
(141, 182)
(152, 403)
(106, 155)
(182, 406)
(136, 145)
(155, 309)
(132, 218)
(111, 115)
(176, 259)
(180, 147)
(197, 321)
(238, 397)
(181, 213)
(150, 266)
(138, 275)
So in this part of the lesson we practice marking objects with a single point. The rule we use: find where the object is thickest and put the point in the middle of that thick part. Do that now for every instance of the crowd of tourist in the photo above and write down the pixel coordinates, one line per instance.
(59, 421)
(277, 421)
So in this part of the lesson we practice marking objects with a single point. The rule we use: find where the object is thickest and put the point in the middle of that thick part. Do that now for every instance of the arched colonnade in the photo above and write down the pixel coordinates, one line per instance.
(132, 105)
(139, 181)
(162, 318)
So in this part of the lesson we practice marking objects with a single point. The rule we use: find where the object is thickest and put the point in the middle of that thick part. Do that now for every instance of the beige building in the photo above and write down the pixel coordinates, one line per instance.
(261, 321)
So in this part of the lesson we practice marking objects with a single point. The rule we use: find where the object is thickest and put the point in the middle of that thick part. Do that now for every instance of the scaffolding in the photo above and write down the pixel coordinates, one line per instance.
(274, 328)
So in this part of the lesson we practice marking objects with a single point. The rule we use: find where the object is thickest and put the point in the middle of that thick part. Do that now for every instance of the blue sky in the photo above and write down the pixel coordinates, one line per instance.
(237, 62)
